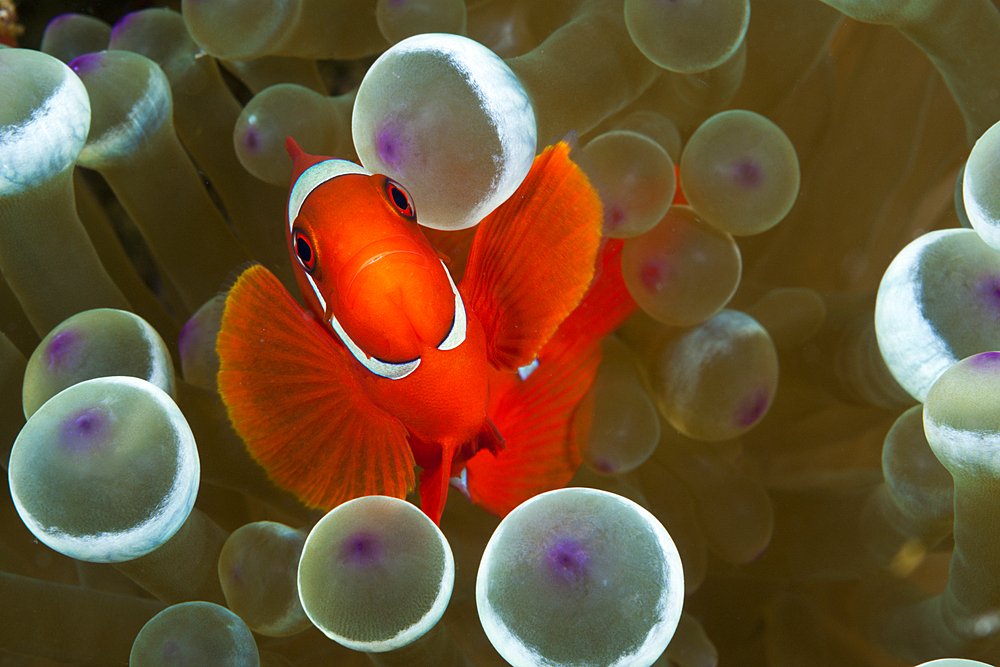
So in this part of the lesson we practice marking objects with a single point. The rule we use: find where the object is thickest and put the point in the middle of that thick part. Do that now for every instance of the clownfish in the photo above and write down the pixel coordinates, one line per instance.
(396, 363)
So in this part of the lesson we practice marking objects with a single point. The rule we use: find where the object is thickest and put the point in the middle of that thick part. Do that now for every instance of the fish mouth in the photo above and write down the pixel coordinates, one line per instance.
(399, 247)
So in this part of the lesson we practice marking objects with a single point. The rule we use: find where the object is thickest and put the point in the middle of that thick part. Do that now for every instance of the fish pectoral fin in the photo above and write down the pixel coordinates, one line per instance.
(293, 396)
(434, 490)
(532, 259)
(489, 438)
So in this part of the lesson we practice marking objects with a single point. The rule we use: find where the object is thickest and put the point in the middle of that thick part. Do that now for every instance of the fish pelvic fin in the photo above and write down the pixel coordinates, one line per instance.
(535, 415)
(433, 492)
(439, 468)
(532, 259)
(293, 396)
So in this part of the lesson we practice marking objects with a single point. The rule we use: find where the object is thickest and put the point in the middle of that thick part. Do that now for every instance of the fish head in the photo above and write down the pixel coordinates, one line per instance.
(365, 268)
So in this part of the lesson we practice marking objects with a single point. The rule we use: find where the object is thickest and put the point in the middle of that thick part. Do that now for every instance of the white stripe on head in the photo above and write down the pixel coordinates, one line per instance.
(386, 369)
(456, 336)
(316, 292)
(315, 176)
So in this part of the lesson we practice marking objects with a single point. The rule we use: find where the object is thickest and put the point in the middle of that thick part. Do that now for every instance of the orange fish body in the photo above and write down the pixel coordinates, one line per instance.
(395, 364)
(377, 284)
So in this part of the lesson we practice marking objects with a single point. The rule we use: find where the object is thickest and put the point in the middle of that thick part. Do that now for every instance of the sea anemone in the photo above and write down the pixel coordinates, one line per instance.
(802, 280)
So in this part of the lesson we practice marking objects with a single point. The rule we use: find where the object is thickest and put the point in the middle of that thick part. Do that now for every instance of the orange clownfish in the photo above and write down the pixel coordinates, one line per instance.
(395, 363)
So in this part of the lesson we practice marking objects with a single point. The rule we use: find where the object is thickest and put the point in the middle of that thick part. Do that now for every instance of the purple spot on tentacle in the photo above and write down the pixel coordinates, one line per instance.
(86, 430)
(390, 142)
(656, 273)
(753, 407)
(87, 63)
(62, 349)
(124, 24)
(985, 361)
(604, 465)
(614, 216)
(651, 276)
(747, 173)
(988, 291)
(567, 561)
(361, 550)
(758, 554)
(251, 139)
(172, 651)
(62, 18)
(188, 336)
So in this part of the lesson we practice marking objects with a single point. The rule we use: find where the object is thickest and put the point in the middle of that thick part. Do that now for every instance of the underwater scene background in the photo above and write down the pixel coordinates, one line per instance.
(805, 398)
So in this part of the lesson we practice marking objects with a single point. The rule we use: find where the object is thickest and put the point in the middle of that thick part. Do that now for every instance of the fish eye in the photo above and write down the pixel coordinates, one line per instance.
(400, 199)
(304, 250)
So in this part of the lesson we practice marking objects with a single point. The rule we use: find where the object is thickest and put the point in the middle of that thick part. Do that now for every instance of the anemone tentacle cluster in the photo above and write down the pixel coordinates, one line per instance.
(790, 454)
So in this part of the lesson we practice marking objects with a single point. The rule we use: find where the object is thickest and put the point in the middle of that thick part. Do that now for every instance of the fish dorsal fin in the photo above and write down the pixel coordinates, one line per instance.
(533, 258)
(293, 396)
(605, 306)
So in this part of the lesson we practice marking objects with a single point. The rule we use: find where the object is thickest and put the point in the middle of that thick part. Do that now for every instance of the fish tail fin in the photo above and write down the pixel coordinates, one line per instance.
(534, 416)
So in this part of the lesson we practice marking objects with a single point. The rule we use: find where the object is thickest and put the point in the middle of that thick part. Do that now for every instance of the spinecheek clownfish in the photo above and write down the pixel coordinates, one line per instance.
(377, 285)
(394, 365)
